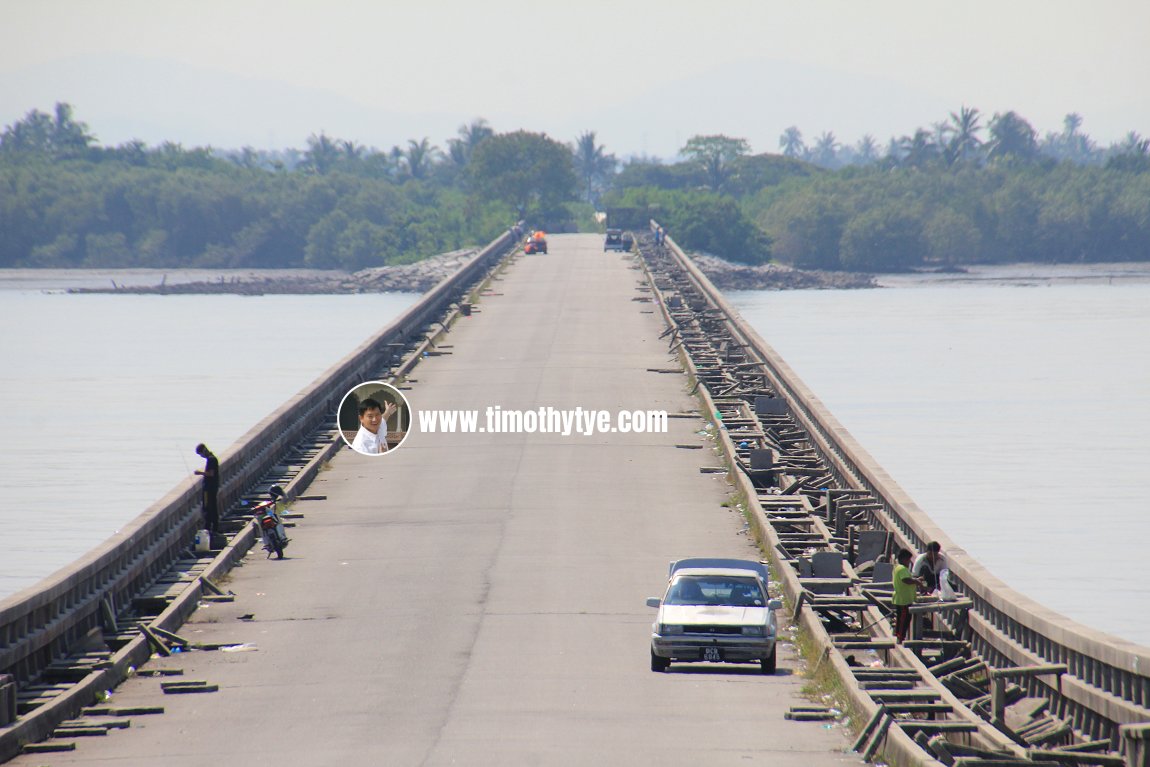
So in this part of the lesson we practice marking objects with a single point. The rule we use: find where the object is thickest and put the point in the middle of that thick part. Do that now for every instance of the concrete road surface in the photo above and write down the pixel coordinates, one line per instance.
(478, 598)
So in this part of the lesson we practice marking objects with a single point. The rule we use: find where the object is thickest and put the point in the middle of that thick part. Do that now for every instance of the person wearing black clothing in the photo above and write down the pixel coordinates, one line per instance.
(211, 475)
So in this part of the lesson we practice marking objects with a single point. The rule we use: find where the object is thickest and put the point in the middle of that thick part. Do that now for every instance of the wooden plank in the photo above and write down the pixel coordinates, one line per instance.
(48, 747)
(904, 695)
(1062, 756)
(1038, 670)
(918, 708)
(876, 717)
(940, 726)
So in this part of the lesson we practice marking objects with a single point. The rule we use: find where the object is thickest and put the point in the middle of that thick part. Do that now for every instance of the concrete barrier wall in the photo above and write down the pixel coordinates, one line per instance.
(1110, 682)
(39, 624)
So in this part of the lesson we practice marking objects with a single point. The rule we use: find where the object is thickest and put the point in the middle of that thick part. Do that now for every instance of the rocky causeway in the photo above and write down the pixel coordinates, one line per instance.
(421, 276)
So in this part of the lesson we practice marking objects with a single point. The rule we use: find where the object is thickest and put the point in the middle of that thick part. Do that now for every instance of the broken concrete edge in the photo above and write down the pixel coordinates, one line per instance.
(898, 748)
(300, 482)
(42, 722)
(1011, 623)
(39, 724)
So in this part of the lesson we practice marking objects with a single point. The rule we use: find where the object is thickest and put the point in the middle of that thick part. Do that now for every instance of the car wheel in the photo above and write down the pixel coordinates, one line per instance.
(659, 664)
(768, 665)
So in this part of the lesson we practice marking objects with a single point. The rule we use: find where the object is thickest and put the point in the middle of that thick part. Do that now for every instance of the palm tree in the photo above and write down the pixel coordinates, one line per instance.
(322, 153)
(247, 158)
(1133, 143)
(964, 142)
(1132, 154)
(475, 133)
(866, 150)
(395, 162)
(894, 153)
(69, 136)
(470, 136)
(791, 142)
(420, 156)
(941, 131)
(352, 151)
(1070, 124)
(134, 152)
(57, 134)
(592, 163)
(1011, 136)
(1071, 144)
(457, 152)
(826, 149)
(919, 150)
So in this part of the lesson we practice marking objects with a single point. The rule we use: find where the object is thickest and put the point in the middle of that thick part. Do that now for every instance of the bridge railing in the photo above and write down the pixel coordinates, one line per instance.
(41, 623)
(1109, 677)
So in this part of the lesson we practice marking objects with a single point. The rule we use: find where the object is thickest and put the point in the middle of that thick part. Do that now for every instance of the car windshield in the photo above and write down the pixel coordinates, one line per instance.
(715, 590)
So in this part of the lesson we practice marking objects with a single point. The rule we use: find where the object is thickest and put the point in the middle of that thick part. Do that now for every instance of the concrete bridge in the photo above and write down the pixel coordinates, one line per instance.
(479, 598)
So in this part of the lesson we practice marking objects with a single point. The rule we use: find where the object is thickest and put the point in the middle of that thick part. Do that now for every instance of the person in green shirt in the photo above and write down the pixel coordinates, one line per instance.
(904, 592)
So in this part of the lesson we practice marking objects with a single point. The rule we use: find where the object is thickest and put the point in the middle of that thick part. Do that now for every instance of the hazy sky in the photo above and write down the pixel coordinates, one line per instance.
(645, 74)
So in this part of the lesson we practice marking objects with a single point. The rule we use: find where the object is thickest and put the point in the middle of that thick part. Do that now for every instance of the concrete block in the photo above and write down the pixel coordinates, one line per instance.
(827, 564)
(771, 406)
(762, 458)
(871, 545)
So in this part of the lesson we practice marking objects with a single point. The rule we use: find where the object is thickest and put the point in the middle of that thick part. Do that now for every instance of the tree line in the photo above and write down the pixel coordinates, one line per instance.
(960, 139)
(66, 201)
(959, 192)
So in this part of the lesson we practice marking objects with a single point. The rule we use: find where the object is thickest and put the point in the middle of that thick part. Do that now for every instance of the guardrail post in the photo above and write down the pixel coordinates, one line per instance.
(108, 613)
(7, 699)
(1136, 744)
(998, 699)
(835, 515)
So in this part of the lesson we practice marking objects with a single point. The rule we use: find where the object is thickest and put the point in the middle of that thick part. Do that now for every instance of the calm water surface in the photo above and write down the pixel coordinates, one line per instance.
(1012, 405)
(1014, 410)
(104, 397)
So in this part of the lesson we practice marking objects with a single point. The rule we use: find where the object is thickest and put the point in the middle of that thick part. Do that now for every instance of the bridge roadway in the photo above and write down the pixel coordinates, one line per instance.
(478, 599)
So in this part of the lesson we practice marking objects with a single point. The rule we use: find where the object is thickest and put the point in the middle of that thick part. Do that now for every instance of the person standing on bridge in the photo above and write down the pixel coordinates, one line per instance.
(211, 475)
(904, 593)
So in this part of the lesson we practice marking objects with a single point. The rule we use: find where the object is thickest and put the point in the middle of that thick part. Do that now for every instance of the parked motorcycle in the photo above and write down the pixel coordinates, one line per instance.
(269, 524)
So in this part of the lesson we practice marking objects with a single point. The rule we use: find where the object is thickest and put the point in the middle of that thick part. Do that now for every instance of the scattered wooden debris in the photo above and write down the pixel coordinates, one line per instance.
(48, 747)
(122, 710)
(810, 714)
(79, 731)
(178, 688)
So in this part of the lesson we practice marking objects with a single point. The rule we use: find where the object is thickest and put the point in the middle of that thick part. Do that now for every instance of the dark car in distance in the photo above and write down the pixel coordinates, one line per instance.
(617, 240)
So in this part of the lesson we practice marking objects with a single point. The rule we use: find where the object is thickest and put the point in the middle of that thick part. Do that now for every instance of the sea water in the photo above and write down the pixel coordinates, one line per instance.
(1012, 404)
(104, 397)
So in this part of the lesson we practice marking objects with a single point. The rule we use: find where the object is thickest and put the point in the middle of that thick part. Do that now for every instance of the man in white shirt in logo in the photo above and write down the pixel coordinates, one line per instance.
(371, 439)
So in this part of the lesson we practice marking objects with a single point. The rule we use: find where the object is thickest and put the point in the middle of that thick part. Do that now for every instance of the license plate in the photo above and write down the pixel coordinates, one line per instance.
(712, 654)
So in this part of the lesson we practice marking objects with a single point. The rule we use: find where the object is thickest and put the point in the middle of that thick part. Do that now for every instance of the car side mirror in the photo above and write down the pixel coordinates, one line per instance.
(655, 602)
(775, 604)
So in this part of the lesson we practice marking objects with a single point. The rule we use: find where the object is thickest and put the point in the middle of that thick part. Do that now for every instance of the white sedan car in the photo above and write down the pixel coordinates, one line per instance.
(715, 610)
